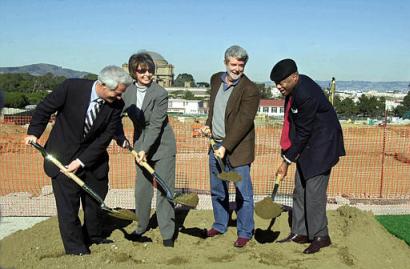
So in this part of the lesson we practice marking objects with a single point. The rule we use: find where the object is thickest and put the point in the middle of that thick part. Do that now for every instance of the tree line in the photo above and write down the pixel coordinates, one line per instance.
(370, 106)
(22, 89)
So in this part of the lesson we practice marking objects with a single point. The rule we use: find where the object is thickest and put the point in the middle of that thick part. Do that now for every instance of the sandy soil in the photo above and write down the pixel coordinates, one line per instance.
(359, 241)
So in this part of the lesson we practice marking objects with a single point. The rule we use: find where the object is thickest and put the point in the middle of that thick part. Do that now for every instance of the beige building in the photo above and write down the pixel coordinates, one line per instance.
(164, 72)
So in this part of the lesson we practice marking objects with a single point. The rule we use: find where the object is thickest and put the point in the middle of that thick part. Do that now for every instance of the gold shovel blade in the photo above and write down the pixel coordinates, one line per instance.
(230, 176)
(267, 209)
(187, 199)
(121, 213)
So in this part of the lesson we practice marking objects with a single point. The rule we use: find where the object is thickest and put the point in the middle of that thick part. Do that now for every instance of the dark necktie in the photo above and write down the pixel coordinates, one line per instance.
(92, 115)
(285, 142)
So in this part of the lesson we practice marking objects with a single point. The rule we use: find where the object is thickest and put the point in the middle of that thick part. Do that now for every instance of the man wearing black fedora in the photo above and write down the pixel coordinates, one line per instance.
(311, 138)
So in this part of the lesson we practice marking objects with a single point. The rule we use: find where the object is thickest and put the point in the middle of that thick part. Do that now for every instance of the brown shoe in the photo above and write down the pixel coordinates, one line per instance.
(318, 243)
(212, 232)
(297, 238)
(241, 242)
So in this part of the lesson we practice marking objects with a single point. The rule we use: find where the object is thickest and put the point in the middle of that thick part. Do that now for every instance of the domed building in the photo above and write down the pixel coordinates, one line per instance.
(164, 72)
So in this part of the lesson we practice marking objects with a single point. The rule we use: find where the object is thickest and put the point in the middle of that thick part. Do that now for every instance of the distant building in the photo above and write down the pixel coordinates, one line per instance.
(164, 72)
(271, 107)
(391, 105)
(198, 92)
(182, 106)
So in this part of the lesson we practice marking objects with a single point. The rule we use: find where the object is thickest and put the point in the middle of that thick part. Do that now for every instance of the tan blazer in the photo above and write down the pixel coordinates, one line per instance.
(239, 119)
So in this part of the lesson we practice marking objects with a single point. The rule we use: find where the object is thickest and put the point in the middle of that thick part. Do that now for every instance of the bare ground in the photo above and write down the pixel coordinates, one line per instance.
(359, 241)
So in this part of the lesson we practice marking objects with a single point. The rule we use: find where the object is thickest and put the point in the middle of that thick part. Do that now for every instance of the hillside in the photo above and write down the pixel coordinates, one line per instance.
(42, 69)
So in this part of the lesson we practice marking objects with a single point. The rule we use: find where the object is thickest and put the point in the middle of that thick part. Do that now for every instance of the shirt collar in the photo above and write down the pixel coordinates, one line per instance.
(225, 85)
(94, 96)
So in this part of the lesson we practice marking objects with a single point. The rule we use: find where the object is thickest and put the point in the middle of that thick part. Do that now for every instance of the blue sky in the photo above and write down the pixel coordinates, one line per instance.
(350, 40)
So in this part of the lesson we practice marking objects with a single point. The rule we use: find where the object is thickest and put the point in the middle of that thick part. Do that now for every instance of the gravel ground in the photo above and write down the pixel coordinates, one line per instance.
(9, 225)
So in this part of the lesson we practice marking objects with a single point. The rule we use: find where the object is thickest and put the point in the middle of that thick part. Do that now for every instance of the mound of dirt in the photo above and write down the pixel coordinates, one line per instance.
(359, 241)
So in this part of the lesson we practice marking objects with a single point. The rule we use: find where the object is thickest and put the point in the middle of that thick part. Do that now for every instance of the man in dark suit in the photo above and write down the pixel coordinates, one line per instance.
(312, 138)
(87, 115)
(233, 105)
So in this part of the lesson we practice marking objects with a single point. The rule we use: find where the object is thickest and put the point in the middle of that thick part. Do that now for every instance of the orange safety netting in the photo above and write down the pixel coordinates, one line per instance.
(377, 164)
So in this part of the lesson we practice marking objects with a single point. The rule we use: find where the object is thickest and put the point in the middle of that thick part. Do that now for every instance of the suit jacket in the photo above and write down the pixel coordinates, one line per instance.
(239, 119)
(66, 141)
(315, 131)
(152, 131)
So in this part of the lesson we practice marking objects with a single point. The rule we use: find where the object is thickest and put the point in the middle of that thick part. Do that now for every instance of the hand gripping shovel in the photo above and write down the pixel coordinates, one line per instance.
(227, 176)
(115, 212)
(187, 199)
(267, 208)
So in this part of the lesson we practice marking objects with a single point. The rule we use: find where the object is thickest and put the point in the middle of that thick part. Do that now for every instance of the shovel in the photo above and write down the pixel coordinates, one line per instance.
(115, 212)
(227, 176)
(267, 208)
(187, 199)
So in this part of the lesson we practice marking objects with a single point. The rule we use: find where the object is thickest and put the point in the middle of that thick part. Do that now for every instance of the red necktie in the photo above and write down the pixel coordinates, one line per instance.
(285, 142)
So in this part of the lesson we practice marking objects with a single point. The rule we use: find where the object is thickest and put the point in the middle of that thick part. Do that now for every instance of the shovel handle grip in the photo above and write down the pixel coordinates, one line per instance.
(151, 170)
(64, 170)
(142, 163)
(279, 178)
(57, 163)
(213, 146)
(71, 175)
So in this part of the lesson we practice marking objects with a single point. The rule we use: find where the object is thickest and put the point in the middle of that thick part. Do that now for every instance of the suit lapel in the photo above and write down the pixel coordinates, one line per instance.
(85, 101)
(83, 105)
(149, 94)
(235, 96)
(130, 96)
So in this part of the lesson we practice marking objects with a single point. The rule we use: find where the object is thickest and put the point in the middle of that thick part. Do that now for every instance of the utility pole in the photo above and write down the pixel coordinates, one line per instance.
(332, 91)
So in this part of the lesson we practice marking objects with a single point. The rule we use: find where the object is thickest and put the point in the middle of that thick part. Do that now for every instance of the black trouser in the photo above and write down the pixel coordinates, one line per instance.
(68, 195)
(309, 205)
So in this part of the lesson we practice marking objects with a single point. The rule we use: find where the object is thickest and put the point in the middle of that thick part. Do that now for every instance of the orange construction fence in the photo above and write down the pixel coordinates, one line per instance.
(377, 165)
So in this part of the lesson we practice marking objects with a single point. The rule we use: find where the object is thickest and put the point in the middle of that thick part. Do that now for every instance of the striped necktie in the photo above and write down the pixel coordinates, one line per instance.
(92, 114)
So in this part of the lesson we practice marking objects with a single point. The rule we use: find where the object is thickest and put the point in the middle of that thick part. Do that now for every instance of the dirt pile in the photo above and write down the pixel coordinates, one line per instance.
(359, 241)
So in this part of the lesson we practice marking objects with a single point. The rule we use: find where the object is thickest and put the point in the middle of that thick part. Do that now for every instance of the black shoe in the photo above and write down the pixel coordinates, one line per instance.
(168, 243)
(134, 236)
(297, 238)
(318, 243)
(98, 241)
(78, 253)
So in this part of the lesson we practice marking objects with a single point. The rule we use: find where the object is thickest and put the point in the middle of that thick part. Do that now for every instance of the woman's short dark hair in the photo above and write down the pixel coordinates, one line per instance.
(143, 60)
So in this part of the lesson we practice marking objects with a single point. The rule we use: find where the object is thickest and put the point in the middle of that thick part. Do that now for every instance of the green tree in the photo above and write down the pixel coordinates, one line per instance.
(346, 107)
(23, 82)
(371, 106)
(91, 76)
(188, 95)
(36, 97)
(177, 94)
(266, 92)
(202, 84)
(15, 100)
(182, 78)
(404, 107)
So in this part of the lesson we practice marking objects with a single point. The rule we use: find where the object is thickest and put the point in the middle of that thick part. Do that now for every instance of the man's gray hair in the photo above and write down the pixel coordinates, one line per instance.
(236, 52)
(113, 75)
